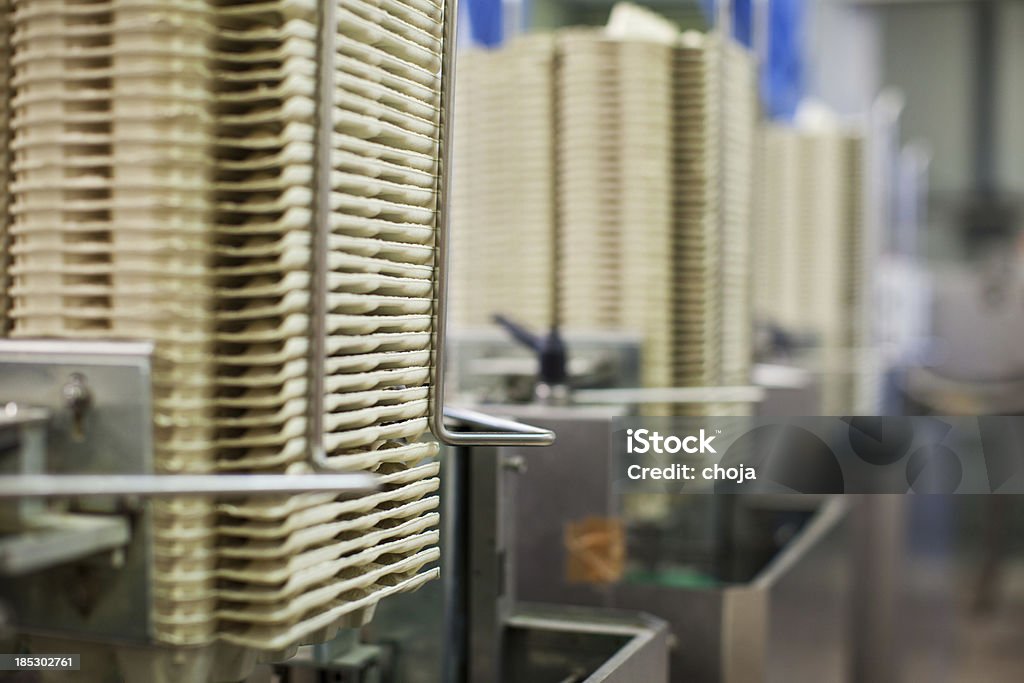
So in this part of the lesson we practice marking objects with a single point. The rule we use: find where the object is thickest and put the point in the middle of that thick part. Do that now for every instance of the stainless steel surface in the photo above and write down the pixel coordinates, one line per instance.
(790, 617)
(805, 596)
(586, 645)
(879, 532)
(26, 427)
(488, 598)
(737, 394)
(488, 366)
(115, 434)
(454, 540)
(157, 485)
(526, 435)
(105, 440)
(56, 539)
(99, 352)
(98, 452)
(15, 415)
(503, 641)
(327, 34)
(788, 390)
(105, 594)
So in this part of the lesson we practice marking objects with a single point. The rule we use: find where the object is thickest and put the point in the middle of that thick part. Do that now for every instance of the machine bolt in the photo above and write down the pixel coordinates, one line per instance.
(516, 463)
(76, 393)
(77, 398)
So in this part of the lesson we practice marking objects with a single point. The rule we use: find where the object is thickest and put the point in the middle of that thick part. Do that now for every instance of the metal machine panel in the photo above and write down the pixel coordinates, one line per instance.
(98, 398)
(759, 627)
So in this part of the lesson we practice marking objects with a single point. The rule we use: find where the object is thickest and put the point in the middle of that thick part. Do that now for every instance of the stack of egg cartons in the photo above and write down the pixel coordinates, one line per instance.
(163, 158)
(697, 313)
(821, 260)
(776, 236)
(5, 142)
(791, 266)
(111, 125)
(645, 159)
(527, 271)
(503, 192)
(716, 109)
(477, 234)
(867, 399)
(809, 243)
(737, 149)
(590, 277)
(831, 263)
(847, 386)
(763, 203)
(292, 569)
(614, 185)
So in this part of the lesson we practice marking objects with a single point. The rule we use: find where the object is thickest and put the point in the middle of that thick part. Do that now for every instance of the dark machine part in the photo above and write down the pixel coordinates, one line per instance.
(989, 217)
(552, 356)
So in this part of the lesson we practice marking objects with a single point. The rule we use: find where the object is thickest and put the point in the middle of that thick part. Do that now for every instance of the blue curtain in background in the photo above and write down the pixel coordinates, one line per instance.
(742, 18)
(782, 72)
(485, 22)
(782, 82)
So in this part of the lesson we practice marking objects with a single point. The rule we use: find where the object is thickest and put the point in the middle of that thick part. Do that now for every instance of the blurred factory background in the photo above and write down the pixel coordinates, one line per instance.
(398, 288)
(818, 215)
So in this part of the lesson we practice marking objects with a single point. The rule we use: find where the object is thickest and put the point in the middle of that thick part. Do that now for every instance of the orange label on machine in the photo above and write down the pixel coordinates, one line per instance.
(595, 550)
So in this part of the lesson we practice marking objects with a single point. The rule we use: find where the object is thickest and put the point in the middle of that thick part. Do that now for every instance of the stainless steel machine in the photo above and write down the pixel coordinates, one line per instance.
(72, 529)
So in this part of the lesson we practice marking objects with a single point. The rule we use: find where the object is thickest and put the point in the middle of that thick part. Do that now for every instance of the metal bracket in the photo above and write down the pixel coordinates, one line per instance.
(160, 485)
(503, 432)
(506, 432)
(56, 538)
(512, 433)
(114, 457)
(322, 167)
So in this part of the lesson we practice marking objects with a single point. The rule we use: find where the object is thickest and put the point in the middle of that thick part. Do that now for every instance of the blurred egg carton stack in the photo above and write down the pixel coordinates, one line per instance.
(739, 129)
(653, 142)
(716, 111)
(5, 146)
(503, 194)
(161, 174)
(776, 239)
(112, 207)
(379, 310)
(697, 305)
(810, 261)
(614, 118)
(590, 274)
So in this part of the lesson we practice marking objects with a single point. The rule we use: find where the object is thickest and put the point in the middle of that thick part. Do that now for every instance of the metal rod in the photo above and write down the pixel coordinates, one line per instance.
(724, 17)
(514, 434)
(725, 394)
(986, 77)
(158, 485)
(504, 428)
(326, 46)
(761, 34)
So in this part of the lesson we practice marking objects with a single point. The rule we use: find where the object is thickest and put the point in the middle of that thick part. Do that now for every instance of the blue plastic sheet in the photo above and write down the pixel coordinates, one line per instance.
(485, 22)
(782, 85)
